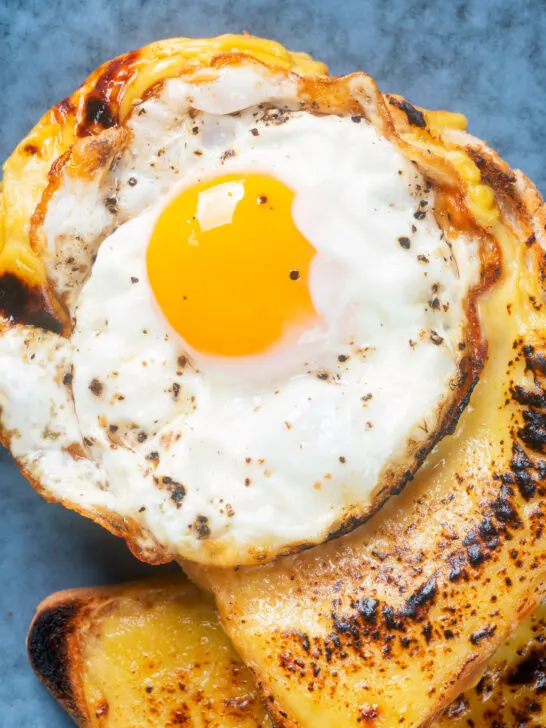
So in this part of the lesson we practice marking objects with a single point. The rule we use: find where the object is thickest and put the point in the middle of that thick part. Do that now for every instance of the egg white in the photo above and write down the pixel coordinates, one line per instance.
(233, 462)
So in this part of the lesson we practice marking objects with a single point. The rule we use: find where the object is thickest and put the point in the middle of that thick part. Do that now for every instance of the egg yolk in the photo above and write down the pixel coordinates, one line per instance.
(228, 266)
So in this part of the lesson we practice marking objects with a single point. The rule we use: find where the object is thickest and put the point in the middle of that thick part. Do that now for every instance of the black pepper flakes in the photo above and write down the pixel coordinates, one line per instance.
(356, 119)
(132, 181)
(261, 199)
(96, 387)
(436, 338)
(294, 275)
(201, 527)
(404, 243)
(419, 214)
(178, 494)
(255, 132)
(111, 205)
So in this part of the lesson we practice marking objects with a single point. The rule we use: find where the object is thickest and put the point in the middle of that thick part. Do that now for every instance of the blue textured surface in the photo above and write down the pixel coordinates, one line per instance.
(486, 59)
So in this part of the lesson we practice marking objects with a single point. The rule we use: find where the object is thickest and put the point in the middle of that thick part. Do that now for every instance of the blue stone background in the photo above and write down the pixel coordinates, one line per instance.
(484, 58)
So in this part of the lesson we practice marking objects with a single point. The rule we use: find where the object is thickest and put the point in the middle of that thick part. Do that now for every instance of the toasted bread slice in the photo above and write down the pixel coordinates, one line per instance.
(153, 654)
(145, 654)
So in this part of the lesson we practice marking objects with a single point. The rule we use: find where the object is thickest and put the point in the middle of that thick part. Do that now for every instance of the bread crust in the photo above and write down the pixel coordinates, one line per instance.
(53, 647)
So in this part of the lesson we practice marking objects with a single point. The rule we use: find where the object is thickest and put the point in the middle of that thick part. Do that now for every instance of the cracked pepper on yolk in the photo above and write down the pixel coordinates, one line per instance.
(228, 266)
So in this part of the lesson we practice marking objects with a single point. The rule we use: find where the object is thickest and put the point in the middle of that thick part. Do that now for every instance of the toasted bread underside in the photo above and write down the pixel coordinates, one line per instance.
(148, 654)
(152, 654)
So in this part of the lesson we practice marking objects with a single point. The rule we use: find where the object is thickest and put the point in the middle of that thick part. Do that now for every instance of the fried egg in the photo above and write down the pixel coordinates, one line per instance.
(270, 327)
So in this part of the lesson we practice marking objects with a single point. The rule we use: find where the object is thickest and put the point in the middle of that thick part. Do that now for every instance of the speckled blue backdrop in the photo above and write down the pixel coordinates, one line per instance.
(484, 58)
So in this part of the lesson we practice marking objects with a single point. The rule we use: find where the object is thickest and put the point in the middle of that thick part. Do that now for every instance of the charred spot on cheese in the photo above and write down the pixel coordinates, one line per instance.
(101, 109)
(414, 116)
(32, 149)
(524, 469)
(533, 433)
(97, 112)
(530, 671)
(528, 469)
(367, 608)
(24, 304)
(424, 594)
(502, 181)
